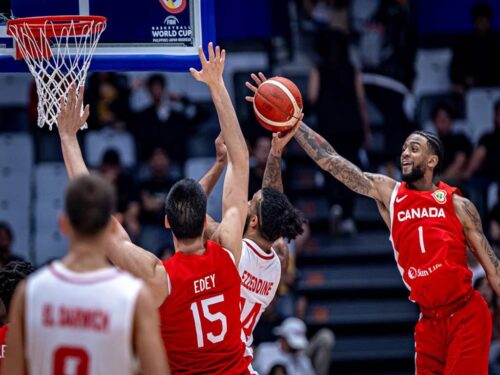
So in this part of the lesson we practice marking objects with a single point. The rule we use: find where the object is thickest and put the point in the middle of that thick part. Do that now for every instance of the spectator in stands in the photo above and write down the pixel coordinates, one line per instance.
(328, 13)
(483, 167)
(6, 240)
(294, 352)
(259, 153)
(336, 91)
(153, 192)
(108, 96)
(167, 123)
(476, 59)
(126, 190)
(457, 145)
(394, 54)
(10, 276)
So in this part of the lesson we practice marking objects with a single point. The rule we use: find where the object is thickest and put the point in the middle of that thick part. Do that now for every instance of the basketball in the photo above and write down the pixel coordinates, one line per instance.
(278, 104)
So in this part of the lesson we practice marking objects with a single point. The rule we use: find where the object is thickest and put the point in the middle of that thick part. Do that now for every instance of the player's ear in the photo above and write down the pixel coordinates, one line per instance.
(167, 224)
(433, 161)
(254, 221)
(64, 224)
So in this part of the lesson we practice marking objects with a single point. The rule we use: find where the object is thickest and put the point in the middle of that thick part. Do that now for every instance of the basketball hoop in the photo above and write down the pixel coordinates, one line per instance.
(58, 50)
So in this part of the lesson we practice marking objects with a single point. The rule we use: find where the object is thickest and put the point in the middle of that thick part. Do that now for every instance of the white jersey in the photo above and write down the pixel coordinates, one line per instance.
(260, 276)
(80, 323)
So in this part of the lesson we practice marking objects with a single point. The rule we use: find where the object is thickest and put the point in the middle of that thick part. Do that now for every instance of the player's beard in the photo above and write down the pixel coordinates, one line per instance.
(417, 173)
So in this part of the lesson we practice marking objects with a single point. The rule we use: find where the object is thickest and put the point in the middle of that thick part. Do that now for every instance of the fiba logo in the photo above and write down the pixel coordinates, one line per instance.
(440, 196)
(174, 6)
(171, 21)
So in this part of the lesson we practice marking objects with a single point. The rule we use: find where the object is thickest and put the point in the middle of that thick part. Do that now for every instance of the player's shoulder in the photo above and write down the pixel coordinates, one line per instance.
(466, 211)
(254, 251)
(219, 250)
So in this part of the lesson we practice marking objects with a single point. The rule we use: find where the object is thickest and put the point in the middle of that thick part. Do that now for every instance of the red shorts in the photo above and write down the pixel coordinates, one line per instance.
(456, 344)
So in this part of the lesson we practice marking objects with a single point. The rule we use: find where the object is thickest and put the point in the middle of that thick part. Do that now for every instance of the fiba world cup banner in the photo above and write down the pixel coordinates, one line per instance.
(174, 24)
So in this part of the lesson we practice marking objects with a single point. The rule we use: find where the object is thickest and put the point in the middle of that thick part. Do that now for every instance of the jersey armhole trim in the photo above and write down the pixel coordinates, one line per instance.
(391, 204)
(230, 254)
(169, 284)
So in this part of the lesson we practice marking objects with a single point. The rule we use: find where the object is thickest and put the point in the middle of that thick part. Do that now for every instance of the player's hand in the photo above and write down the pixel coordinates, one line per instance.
(70, 117)
(220, 150)
(281, 139)
(211, 69)
(258, 79)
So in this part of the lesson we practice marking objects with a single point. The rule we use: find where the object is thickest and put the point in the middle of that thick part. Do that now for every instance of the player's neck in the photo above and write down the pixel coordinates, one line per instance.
(422, 185)
(190, 247)
(262, 243)
(84, 258)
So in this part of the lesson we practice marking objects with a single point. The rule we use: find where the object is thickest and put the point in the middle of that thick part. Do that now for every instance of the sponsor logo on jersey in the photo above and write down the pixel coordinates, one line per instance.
(400, 199)
(413, 272)
(174, 6)
(420, 213)
(440, 196)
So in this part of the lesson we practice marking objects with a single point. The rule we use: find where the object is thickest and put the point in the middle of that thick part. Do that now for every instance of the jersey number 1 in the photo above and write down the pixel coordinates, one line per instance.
(205, 304)
(421, 239)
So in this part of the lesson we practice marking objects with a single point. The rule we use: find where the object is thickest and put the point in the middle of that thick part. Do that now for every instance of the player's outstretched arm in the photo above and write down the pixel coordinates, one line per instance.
(146, 336)
(69, 121)
(375, 186)
(478, 243)
(272, 173)
(15, 361)
(209, 179)
(235, 194)
(121, 251)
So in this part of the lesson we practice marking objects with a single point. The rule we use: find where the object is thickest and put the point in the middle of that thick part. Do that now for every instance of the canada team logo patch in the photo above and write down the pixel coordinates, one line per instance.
(174, 6)
(440, 196)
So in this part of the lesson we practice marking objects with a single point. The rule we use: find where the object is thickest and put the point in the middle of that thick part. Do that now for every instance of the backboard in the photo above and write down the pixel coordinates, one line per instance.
(148, 35)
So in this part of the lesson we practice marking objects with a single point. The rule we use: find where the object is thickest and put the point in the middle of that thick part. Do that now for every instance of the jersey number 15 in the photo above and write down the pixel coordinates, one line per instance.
(219, 316)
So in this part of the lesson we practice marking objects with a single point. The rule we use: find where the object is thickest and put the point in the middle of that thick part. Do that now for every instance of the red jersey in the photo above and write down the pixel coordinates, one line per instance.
(200, 319)
(429, 244)
(3, 338)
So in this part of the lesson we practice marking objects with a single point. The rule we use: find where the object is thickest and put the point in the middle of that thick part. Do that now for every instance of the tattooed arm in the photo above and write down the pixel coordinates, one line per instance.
(272, 174)
(473, 230)
(375, 186)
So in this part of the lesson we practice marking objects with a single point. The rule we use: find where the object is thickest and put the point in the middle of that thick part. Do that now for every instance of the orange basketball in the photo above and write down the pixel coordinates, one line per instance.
(278, 104)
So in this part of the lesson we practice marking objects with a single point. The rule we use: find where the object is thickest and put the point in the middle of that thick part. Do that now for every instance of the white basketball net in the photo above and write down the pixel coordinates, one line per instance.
(67, 65)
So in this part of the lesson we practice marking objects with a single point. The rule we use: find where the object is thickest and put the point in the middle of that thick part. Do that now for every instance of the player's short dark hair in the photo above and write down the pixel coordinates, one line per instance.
(482, 9)
(7, 229)
(278, 217)
(185, 208)
(435, 146)
(10, 276)
(156, 78)
(90, 203)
